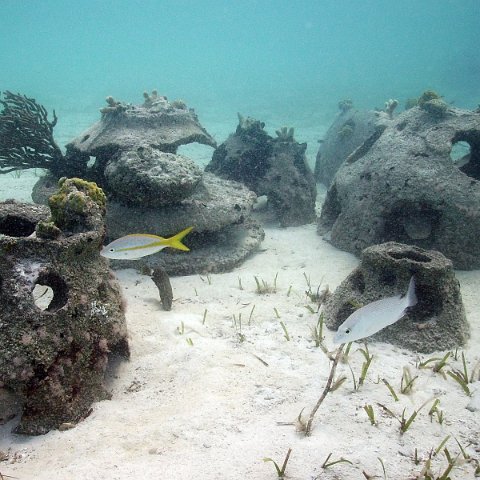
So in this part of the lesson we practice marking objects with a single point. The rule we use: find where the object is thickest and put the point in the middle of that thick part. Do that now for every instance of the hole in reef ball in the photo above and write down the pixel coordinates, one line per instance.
(418, 227)
(460, 153)
(15, 226)
(465, 152)
(410, 255)
(408, 221)
(50, 292)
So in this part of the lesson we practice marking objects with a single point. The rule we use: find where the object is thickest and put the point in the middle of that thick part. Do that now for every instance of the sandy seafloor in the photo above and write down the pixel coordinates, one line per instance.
(196, 401)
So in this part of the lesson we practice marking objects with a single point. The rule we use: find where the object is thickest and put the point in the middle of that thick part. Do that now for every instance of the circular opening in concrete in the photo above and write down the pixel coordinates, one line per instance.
(50, 292)
(460, 153)
(15, 226)
(410, 255)
(412, 223)
(465, 153)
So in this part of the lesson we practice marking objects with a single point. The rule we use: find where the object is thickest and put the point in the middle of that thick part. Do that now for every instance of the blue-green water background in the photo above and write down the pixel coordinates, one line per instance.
(283, 62)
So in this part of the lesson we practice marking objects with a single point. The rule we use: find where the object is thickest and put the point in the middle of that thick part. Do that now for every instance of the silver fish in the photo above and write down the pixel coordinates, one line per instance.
(138, 245)
(375, 316)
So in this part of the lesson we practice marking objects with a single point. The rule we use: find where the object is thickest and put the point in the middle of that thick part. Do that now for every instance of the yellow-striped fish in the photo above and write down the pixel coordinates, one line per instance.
(139, 245)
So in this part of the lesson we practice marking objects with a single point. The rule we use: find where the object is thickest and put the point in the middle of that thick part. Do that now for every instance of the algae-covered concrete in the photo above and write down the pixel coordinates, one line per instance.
(62, 311)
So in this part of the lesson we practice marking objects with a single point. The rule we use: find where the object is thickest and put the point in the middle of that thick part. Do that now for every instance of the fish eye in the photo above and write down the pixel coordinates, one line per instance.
(112, 250)
(347, 331)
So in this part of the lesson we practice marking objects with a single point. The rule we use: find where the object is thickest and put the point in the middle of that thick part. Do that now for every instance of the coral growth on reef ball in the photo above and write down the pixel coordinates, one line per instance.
(59, 349)
(76, 201)
(432, 103)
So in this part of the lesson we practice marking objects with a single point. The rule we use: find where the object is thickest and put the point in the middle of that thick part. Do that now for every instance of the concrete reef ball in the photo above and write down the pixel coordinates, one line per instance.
(436, 322)
(131, 152)
(404, 184)
(62, 311)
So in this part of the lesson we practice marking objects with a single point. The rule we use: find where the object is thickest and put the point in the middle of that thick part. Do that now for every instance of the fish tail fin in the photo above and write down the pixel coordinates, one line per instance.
(411, 294)
(176, 240)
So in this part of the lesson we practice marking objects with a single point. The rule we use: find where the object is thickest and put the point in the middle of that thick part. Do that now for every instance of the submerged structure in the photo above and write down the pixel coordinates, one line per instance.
(349, 130)
(436, 322)
(131, 152)
(275, 167)
(62, 312)
(402, 184)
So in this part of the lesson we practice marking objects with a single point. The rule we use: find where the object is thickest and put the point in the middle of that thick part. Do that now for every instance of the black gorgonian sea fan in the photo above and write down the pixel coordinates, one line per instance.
(26, 135)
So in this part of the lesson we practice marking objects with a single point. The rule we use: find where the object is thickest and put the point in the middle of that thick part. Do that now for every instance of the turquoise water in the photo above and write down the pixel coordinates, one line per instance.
(285, 62)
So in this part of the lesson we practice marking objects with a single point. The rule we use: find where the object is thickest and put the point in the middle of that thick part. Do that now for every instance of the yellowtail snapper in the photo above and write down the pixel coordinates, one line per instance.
(138, 245)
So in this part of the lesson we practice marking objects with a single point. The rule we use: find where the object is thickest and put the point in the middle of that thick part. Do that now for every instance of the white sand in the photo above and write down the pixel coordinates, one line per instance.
(210, 410)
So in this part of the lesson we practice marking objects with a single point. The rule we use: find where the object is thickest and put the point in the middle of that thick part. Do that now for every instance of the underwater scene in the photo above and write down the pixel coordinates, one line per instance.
(239, 240)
